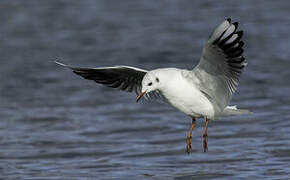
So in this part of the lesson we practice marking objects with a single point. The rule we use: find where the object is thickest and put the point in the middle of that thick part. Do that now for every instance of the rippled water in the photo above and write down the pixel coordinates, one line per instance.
(56, 125)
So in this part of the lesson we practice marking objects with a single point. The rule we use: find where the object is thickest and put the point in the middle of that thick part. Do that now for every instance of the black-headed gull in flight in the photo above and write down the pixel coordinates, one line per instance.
(202, 92)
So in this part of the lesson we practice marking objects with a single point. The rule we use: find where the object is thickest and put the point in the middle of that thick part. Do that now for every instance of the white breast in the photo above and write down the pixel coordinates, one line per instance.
(186, 97)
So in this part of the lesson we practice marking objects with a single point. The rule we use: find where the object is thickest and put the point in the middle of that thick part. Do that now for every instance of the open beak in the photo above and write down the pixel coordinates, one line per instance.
(140, 96)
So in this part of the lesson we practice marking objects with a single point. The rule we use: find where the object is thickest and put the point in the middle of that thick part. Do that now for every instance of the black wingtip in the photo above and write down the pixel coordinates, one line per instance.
(241, 44)
(240, 33)
(236, 24)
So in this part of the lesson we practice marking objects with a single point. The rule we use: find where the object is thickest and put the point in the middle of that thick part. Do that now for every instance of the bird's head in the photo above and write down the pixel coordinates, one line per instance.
(150, 82)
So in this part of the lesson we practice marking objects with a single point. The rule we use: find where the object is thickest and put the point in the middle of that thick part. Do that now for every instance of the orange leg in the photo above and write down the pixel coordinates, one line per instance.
(205, 135)
(189, 137)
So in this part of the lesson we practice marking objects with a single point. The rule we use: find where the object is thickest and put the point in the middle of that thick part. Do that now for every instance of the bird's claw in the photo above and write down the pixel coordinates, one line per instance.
(189, 144)
(205, 143)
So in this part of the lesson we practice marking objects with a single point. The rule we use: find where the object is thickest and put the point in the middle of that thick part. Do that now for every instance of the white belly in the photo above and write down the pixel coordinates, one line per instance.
(188, 99)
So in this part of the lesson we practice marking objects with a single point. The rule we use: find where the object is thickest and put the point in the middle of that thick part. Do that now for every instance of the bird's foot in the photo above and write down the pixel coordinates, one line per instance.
(189, 144)
(205, 143)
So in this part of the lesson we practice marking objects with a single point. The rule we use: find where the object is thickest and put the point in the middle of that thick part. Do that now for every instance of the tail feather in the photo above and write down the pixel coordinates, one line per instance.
(233, 110)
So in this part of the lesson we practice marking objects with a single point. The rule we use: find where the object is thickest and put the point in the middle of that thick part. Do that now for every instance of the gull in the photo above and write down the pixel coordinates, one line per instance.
(202, 92)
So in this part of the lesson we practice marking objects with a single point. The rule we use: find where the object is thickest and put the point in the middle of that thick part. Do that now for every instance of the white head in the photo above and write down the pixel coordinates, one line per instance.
(150, 82)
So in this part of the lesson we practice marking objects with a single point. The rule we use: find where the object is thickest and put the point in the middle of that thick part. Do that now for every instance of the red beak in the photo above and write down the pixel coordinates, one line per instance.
(140, 96)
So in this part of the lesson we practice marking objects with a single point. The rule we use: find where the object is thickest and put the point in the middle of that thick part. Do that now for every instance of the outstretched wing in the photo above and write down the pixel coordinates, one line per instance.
(122, 77)
(221, 63)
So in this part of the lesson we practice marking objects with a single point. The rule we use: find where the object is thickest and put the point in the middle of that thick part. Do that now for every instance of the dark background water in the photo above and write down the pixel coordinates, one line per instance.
(55, 125)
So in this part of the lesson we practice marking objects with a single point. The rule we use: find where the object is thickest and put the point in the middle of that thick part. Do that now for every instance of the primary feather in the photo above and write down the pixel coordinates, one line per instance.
(221, 64)
(125, 78)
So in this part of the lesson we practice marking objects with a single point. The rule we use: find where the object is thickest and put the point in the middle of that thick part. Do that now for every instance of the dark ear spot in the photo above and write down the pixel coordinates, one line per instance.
(157, 80)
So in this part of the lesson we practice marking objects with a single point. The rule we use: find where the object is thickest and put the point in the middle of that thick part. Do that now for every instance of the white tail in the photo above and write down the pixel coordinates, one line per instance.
(233, 110)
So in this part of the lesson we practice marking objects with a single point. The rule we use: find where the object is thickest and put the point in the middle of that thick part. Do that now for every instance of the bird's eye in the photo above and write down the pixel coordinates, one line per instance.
(150, 84)
(157, 80)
